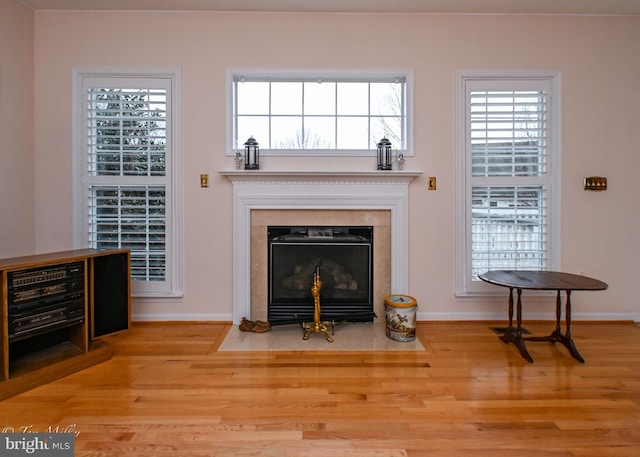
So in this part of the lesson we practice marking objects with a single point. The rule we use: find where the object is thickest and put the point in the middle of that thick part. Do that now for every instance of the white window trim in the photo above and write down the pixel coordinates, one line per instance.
(318, 73)
(462, 267)
(174, 282)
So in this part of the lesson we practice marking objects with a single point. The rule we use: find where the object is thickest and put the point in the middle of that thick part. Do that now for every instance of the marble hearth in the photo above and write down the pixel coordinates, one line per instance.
(263, 198)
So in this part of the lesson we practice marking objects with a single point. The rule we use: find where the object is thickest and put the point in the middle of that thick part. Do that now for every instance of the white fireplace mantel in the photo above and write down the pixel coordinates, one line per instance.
(322, 190)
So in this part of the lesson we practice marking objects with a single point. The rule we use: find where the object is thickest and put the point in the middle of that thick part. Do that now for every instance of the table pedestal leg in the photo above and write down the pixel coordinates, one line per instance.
(516, 338)
(568, 341)
(557, 335)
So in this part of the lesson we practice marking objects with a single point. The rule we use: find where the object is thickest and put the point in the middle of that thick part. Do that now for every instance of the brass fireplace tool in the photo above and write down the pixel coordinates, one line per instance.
(317, 325)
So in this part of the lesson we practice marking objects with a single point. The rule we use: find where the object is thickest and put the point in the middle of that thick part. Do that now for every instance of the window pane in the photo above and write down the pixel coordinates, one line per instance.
(386, 99)
(253, 97)
(320, 132)
(353, 98)
(320, 98)
(253, 126)
(353, 133)
(286, 132)
(286, 98)
(389, 127)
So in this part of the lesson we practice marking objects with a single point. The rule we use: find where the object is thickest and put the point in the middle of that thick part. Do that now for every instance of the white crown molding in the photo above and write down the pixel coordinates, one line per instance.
(591, 7)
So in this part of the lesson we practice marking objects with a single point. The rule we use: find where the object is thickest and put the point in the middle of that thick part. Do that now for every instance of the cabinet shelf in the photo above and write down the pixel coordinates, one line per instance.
(100, 306)
(42, 358)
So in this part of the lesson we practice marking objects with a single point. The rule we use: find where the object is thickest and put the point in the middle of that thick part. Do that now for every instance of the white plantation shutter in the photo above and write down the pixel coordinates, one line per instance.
(127, 131)
(508, 179)
(132, 217)
(508, 132)
(508, 228)
(128, 175)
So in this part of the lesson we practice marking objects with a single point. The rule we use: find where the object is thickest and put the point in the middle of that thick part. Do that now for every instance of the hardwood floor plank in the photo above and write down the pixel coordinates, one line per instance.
(167, 391)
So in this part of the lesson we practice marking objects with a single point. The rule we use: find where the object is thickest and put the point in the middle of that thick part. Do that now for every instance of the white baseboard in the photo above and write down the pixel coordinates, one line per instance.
(421, 316)
(427, 316)
(167, 317)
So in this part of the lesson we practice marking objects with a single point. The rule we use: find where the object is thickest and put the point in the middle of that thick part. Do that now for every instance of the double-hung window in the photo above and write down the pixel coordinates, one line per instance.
(319, 113)
(128, 177)
(508, 157)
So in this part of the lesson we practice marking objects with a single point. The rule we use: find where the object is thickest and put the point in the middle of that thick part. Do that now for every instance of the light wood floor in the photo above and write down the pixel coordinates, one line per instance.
(167, 392)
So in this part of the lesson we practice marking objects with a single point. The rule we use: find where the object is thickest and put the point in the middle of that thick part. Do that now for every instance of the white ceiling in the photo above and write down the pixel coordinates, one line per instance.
(590, 7)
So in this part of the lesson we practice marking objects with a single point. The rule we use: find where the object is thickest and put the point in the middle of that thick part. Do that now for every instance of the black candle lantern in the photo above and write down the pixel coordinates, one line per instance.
(385, 161)
(251, 154)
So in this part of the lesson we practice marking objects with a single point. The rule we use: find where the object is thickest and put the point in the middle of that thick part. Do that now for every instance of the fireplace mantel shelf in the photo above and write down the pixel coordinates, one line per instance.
(315, 174)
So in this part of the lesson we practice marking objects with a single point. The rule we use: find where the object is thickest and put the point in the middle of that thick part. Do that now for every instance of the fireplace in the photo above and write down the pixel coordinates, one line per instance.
(343, 258)
(359, 192)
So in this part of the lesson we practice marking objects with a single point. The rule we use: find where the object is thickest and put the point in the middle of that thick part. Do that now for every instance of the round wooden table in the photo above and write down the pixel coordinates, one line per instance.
(541, 280)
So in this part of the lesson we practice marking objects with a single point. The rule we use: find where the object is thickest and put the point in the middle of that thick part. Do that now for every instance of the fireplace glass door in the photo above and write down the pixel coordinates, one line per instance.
(343, 257)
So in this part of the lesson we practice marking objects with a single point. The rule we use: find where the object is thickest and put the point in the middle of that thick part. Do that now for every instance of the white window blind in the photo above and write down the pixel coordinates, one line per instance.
(508, 228)
(127, 131)
(127, 141)
(507, 188)
(128, 175)
(508, 132)
(133, 218)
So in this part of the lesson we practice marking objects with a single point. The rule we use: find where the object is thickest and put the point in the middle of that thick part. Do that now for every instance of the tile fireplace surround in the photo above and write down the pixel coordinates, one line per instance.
(260, 198)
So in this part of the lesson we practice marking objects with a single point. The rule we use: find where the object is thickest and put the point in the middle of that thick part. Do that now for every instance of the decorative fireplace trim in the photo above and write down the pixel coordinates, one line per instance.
(330, 190)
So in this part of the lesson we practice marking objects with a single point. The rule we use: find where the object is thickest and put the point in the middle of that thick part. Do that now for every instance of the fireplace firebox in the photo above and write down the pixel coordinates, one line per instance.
(344, 258)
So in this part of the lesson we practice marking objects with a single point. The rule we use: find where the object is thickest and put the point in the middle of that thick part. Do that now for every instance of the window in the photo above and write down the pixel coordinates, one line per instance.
(322, 113)
(508, 159)
(127, 188)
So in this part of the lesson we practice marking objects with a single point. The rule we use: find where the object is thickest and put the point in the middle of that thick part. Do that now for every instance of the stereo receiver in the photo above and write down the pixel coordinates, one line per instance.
(45, 299)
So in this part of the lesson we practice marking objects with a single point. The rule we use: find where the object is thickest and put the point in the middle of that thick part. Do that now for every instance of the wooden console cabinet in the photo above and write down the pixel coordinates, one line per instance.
(101, 306)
